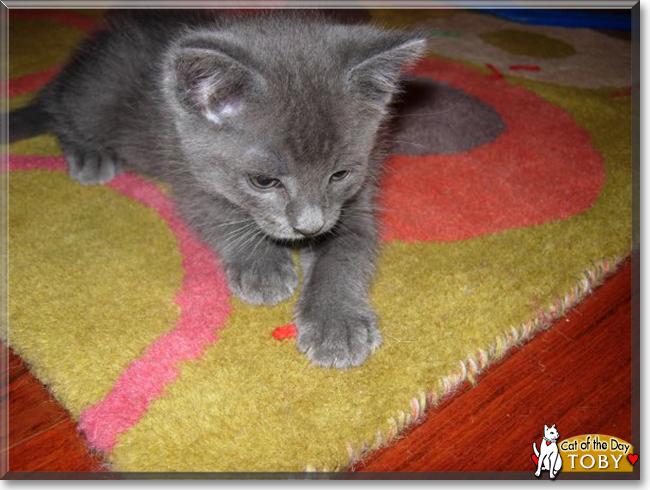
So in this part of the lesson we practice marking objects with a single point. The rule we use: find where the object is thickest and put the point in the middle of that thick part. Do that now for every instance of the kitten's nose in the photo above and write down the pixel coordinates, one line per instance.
(310, 221)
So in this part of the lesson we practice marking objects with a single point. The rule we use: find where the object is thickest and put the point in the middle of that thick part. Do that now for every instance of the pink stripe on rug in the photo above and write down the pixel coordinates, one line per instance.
(204, 302)
(31, 82)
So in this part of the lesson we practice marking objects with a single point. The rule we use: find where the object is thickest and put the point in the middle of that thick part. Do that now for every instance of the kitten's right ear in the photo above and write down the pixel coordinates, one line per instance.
(376, 76)
(208, 82)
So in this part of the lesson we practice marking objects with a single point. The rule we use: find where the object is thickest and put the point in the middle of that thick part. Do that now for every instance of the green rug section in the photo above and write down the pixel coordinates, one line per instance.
(92, 281)
(262, 407)
(44, 145)
(30, 55)
(405, 18)
(528, 44)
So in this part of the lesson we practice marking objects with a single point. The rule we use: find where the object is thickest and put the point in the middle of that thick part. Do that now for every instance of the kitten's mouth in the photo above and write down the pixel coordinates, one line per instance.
(283, 232)
(295, 236)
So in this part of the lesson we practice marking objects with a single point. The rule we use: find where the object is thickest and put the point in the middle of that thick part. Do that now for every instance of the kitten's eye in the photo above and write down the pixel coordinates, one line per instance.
(263, 182)
(340, 175)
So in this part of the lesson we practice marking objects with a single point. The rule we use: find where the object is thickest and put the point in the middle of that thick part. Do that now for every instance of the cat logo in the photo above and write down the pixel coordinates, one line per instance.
(588, 453)
(548, 457)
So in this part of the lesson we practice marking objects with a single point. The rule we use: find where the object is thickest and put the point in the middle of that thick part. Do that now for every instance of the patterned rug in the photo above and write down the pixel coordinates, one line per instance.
(506, 199)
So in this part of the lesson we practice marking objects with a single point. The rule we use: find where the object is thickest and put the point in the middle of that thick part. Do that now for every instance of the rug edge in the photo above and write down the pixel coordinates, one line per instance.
(473, 365)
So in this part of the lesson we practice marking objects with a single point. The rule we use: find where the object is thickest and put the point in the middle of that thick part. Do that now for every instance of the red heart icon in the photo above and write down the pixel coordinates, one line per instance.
(633, 458)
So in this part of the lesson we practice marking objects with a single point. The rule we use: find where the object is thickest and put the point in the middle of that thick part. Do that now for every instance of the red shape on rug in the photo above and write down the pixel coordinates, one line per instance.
(285, 332)
(621, 94)
(525, 68)
(534, 458)
(495, 72)
(31, 82)
(633, 458)
(543, 167)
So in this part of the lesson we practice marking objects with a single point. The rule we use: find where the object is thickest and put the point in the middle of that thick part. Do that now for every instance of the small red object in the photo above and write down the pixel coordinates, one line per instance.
(526, 67)
(535, 460)
(285, 332)
(495, 71)
(622, 93)
(632, 458)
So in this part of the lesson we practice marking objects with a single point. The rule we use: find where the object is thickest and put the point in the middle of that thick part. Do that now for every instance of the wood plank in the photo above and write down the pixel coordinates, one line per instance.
(59, 448)
(42, 435)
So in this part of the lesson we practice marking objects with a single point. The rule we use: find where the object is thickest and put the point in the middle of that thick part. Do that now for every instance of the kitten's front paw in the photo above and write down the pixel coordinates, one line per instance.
(340, 339)
(92, 168)
(263, 283)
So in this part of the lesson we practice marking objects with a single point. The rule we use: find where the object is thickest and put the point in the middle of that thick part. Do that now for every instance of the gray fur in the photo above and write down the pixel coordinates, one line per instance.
(208, 105)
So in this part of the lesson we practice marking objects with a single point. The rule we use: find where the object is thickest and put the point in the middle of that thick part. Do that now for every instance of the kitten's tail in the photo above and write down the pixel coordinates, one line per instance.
(28, 122)
(535, 449)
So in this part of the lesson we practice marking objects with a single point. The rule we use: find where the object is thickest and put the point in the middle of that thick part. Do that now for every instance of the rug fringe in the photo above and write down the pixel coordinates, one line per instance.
(472, 366)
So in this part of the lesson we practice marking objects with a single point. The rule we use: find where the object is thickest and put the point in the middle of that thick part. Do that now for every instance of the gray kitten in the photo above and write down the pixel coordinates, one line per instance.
(266, 128)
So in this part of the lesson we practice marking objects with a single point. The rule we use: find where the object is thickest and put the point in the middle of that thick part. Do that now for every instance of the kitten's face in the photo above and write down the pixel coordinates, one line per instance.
(291, 171)
(280, 117)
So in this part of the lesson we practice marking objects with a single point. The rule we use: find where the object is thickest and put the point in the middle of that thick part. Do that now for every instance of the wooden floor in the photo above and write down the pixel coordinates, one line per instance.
(577, 375)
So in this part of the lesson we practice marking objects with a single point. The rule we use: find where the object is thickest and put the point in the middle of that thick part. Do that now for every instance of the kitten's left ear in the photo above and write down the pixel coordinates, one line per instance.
(376, 78)
(211, 78)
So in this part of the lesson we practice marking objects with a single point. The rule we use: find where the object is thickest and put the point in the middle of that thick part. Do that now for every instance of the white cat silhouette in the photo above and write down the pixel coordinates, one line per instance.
(548, 457)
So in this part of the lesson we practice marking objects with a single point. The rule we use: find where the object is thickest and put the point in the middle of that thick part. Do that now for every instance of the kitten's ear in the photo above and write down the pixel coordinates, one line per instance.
(545, 427)
(553, 426)
(209, 82)
(376, 77)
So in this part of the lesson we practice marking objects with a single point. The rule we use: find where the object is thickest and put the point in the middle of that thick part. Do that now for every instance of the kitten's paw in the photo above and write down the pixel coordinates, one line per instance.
(263, 283)
(339, 339)
(92, 168)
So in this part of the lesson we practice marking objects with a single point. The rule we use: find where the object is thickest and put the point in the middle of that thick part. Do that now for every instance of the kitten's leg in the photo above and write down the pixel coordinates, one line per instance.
(336, 323)
(92, 168)
(260, 272)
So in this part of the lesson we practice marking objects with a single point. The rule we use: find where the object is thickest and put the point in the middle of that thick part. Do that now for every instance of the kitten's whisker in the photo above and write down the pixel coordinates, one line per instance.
(406, 143)
(228, 223)
(248, 244)
(235, 231)
(238, 229)
(240, 235)
(252, 252)
(251, 237)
